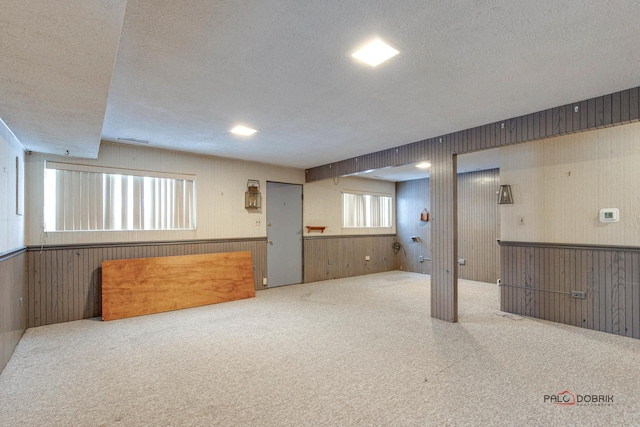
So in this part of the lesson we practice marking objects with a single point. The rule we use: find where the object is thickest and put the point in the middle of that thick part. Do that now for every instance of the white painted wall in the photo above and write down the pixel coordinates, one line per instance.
(220, 187)
(323, 204)
(559, 186)
(11, 224)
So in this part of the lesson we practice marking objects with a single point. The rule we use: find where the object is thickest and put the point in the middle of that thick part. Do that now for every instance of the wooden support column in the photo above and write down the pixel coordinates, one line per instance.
(444, 232)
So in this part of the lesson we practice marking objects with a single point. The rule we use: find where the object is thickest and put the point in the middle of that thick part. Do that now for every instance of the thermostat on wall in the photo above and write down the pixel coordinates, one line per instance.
(609, 215)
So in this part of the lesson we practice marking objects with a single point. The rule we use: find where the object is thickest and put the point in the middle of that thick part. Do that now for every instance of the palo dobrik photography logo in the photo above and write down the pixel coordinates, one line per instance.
(564, 398)
(568, 398)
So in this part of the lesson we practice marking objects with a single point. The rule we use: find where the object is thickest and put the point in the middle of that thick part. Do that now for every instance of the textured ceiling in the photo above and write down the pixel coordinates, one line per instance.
(56, 61)
(186, 72)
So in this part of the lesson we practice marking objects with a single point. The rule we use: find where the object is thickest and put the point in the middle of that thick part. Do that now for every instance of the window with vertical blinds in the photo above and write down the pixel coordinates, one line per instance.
(91, 198)
(366, 210)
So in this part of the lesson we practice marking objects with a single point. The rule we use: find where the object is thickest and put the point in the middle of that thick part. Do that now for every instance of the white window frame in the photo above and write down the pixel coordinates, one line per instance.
(97, 198)
(369, 218)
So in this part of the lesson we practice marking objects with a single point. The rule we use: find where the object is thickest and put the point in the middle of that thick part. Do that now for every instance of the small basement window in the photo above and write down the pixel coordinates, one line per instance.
(366, 210)
(92, 198)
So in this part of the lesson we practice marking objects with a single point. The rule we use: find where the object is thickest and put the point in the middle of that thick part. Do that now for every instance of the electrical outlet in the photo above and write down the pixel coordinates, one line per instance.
(264, 281)
(367, 258)
(258, 223)
(330, 261)
(578, 294)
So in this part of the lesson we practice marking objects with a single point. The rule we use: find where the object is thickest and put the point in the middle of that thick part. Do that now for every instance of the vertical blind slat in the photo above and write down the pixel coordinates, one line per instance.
(366, 210)
(98, 201)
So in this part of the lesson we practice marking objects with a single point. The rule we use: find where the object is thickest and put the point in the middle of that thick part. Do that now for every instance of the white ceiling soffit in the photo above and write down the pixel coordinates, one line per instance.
(56, 61)
(187, 72)
(469, 162)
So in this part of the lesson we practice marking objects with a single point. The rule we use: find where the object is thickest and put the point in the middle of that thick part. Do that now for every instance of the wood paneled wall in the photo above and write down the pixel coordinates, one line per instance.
(64, 282)
(444, 234)
(479, 225)
(336, 257)
(412, 197)
(537, 281)
(595, 113)
(13, 314)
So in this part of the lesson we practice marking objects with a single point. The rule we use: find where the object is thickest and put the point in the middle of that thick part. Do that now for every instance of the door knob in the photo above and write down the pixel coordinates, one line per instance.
(270, 242)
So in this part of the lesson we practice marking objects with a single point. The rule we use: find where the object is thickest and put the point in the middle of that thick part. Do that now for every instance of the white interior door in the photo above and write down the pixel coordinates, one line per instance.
(284, 234)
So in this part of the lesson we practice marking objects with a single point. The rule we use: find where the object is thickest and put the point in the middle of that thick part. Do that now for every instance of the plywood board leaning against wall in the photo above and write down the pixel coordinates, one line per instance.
(134, 287)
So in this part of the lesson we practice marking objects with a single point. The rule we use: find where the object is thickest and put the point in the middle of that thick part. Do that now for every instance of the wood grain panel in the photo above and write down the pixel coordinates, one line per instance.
(570, 118)
(632, 300)
(584, 116)
(139, 286)
(607, 110)
(634, 104)
(336, 257)
(85, 283)
(609, 276)
(13, 312)
(412, 197)
(625, 101)
(478, 225)
(443, 195)
(558, 121)
(616, 111)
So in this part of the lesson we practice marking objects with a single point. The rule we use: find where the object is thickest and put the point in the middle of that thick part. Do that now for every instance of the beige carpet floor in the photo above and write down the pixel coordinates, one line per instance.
(352, 352)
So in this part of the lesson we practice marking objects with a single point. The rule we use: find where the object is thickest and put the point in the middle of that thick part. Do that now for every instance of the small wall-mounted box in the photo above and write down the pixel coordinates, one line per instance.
(578, 294)
(609, 215)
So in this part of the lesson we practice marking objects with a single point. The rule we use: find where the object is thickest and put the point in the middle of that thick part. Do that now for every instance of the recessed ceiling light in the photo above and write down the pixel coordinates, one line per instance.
(243, 130)
(375, 53)
(423, 165)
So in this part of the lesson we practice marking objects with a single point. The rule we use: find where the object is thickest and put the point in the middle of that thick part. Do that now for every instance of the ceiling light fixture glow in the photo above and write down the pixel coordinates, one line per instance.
(243, 130)
(134, 140)
(423, 165)
(375, 53)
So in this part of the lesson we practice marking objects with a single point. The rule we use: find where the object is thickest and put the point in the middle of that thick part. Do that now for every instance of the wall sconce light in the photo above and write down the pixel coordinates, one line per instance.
(504, 195)
(252, 197)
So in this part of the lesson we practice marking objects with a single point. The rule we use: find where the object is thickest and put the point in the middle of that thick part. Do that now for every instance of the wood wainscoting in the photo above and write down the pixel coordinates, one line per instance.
(538, 280)
(64, 282)
(478, 226)
(13, 302)
(336, 257)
